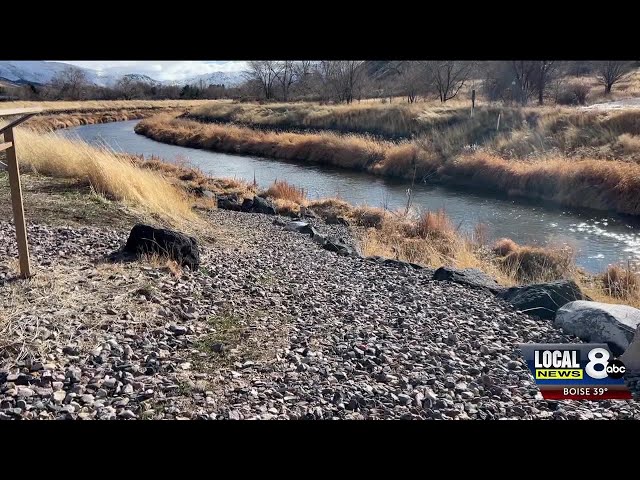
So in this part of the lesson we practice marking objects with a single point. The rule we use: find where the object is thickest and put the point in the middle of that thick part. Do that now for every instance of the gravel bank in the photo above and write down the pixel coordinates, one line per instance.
(272, 326)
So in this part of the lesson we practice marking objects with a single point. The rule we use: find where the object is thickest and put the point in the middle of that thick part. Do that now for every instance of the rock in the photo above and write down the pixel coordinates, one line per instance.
(339, 247)
(543, 300)
(146, 239)
(247, 205)
(262, 205)
(305, 228)
(470, 277)
(336, 220)
(179, 329)
(297, 226)
(25, 392)
(229, 202)
(126, 414)
(631, 356)
(71, 350)
(110, 383)
(597, 322)
(319, 239)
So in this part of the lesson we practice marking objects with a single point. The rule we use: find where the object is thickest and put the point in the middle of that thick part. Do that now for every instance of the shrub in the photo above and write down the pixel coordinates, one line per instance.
(573, 94)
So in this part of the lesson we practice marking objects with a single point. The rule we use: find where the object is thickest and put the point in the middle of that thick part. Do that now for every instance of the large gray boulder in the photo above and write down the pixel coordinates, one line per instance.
(543, 299)
(631, 356)
(598, 322)
(470, 277)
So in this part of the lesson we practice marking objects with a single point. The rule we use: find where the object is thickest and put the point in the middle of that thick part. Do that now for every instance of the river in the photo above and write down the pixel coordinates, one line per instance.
(598, 238)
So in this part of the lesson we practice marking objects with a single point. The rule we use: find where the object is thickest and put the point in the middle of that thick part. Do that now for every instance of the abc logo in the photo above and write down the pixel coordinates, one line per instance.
(600, 367)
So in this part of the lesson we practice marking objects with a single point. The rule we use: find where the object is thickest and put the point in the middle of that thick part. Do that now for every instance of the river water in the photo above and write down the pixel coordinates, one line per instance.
(599, 238)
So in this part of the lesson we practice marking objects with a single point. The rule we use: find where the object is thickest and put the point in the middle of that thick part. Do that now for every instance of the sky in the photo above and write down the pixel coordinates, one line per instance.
(161, 70)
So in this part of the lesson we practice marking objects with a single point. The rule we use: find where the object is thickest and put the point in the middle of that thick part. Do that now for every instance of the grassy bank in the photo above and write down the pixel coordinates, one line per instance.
(64, 106)
(111, 176)
(164, 191)
(63, 114)
(442, 157)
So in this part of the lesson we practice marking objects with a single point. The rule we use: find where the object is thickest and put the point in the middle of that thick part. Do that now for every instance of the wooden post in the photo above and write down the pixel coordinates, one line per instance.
(473, 101)
(9, 146)
(16, 202)
(498, 124)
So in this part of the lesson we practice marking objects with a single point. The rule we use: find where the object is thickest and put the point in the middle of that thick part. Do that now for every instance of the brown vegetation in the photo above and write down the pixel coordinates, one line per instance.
(111, 176)
(622, 283)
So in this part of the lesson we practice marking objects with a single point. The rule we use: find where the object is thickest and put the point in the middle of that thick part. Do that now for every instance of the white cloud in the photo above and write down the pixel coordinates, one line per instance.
(161, 70)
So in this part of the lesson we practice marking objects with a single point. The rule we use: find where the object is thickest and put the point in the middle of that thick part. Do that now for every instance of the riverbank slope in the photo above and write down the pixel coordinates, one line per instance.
(270, 326)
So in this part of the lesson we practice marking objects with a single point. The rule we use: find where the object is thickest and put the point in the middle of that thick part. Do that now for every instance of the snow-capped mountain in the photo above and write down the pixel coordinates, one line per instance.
(228, 79)
(38, 71)
(41, 72)
(135, 77)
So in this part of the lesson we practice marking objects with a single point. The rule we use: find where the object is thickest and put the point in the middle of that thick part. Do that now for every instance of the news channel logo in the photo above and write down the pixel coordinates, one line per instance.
(576, 371)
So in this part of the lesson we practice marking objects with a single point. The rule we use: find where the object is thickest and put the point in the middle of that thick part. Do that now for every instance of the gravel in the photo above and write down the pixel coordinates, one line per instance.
(271, 327)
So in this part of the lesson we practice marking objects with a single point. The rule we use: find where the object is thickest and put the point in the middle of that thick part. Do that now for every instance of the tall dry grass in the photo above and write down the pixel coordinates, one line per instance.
(620, 282)
(597, 184)
(110, 175)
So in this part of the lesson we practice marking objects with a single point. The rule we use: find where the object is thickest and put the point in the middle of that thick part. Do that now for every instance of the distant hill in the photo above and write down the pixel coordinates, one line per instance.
(37, 72)
(228, 79)
(138, 77)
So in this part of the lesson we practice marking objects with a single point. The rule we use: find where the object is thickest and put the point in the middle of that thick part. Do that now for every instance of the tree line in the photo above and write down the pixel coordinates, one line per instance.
(513, 81)
(340, 81)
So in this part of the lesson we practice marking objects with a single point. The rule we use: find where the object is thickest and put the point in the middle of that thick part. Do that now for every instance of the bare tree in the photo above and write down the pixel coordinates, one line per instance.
(544, 74)
(304, 71)
(128, 88)
(449, 77)
(610, 72)
(70, 83)
(526, 74)
(286, 75)
(265, 73)
(344, 79)
(415, 78)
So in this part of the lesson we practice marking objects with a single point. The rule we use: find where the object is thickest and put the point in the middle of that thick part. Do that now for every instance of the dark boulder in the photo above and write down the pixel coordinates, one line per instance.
(339, 247)
(301, 227)
(247, 205)
(229, 202)
(470, 277)
(336, 220)
(544, 299)
(181, 248)
(262, 205)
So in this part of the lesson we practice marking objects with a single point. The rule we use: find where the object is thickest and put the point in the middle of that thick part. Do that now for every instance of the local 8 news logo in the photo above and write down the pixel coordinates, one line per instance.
(579, 371)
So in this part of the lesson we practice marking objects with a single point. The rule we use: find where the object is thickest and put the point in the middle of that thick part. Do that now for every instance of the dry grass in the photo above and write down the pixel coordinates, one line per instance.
(602, 185)
(504, 247)
(65, 114)
(528, 264)
(621, 283)
(391, 120)
(281, 189)
(112, 176)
